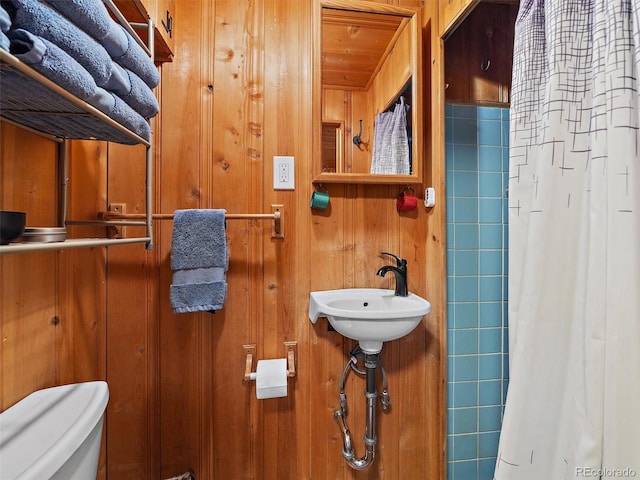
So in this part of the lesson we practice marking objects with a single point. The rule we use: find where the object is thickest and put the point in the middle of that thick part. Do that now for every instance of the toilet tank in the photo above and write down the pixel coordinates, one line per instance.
(54, 433)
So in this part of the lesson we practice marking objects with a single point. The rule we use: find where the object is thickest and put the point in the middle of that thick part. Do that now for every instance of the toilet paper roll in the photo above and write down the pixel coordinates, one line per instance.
(271, 378)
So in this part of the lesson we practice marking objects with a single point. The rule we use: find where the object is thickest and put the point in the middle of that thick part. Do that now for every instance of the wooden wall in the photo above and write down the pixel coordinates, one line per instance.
(238, 92)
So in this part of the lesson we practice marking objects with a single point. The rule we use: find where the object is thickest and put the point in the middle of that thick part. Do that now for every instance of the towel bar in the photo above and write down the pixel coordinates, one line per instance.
(111, 218)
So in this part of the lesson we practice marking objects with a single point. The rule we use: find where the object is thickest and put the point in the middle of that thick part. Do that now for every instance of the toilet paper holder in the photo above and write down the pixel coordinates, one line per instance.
(291, 349)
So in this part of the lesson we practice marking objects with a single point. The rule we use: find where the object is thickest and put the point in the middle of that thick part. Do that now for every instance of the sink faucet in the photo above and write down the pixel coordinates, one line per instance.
(400, 271)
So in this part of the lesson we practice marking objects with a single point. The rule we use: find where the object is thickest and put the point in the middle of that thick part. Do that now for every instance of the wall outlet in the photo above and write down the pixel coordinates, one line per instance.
(283, 173)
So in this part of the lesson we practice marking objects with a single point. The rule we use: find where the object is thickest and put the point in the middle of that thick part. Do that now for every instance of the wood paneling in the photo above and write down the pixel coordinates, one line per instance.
(355, 45)
(129, 342)
(479, 56)
(238, 92)
(185, 351)
(52, 304)
(139, 11)
(451, 13)
(29, 336)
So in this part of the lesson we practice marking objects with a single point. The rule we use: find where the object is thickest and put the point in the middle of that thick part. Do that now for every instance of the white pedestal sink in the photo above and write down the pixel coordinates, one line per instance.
(371, 316)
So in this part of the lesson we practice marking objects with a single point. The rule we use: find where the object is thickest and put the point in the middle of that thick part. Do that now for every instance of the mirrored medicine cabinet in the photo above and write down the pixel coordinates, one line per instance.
(367, 59)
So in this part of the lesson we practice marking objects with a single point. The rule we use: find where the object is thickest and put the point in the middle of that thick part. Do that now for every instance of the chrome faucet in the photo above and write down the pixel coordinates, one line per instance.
(400, 272)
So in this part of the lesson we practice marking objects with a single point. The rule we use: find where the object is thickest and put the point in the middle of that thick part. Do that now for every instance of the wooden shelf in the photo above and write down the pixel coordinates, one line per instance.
(139, 11)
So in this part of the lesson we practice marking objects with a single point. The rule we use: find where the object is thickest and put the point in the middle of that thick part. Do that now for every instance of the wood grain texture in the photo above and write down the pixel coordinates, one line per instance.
(435, 281)
(180, 186)
(479, 56)
(354, 47)
(238, 92)
(452, 13)
(28, 349)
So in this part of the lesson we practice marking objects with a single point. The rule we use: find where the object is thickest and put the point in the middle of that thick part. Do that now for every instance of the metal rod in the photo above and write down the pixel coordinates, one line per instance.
(107, 216)
(111, 218)
(127, 26)
(149, 197)
(151, 32)
(370, 440)
(63, 181)
(67, 244)
(106, 223)
(169, 216)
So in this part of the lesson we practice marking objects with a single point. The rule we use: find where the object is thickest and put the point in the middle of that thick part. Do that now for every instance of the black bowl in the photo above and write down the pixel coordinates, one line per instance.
(11, 225)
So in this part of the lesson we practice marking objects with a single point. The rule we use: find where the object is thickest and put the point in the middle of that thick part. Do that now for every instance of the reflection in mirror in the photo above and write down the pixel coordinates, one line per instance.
(331, 144)
(368, 61)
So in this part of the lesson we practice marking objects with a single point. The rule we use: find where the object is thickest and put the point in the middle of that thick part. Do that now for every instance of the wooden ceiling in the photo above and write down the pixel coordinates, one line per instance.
(354, 46)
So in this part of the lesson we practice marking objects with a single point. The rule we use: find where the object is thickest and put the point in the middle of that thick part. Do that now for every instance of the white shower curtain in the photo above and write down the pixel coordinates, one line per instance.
(573, 403)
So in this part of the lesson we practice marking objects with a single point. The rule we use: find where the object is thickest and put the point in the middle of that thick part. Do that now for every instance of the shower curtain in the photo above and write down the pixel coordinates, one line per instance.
(573, 403)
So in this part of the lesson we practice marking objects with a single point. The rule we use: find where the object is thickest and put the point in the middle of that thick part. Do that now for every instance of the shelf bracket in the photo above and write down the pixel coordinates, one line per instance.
(277, 228)
(116, 231)
(250, 352)
(291, 352)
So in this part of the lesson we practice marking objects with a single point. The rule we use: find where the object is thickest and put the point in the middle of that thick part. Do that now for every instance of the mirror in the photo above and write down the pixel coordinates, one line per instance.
(367, 59)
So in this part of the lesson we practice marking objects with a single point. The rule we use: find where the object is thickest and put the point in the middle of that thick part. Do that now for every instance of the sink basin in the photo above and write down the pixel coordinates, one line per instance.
(369, 315)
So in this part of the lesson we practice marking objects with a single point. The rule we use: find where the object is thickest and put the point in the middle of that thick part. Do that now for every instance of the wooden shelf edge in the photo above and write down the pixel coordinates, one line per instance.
(367, 178)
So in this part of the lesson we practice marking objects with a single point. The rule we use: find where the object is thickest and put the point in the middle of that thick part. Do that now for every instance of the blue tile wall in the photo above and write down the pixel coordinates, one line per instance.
(477, 161)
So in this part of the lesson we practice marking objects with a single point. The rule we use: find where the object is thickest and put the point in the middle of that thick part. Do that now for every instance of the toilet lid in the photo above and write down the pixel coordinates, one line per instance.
(39, 433)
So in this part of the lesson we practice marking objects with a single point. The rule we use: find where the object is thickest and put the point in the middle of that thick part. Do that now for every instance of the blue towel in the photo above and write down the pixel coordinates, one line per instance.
(117, 109)
(135, 59)
(140, 97)
(103, 100)
(46, 58)
(118, 81)
(127, 116)
(5, 20)
(4, 42)
(92, 17)
(39, 19)
(137, 94)
(199, 260)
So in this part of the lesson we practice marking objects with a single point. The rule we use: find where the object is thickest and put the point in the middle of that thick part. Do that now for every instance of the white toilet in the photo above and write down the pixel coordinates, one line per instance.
(54, 433)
